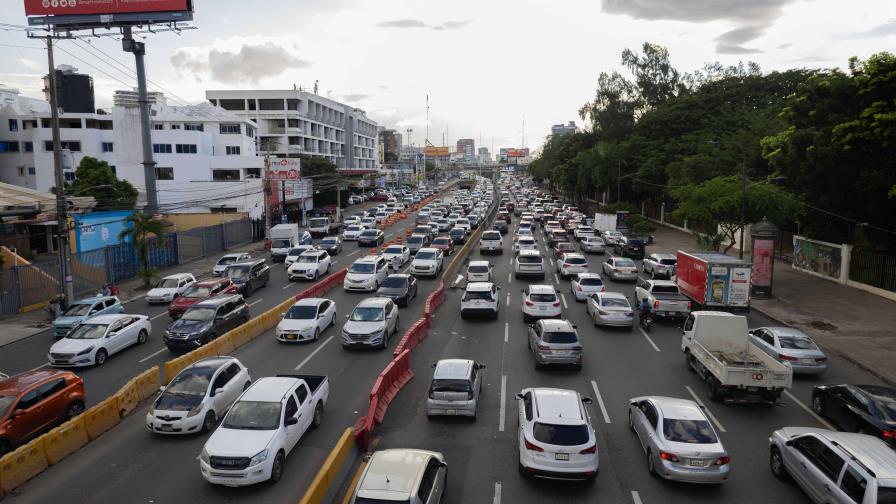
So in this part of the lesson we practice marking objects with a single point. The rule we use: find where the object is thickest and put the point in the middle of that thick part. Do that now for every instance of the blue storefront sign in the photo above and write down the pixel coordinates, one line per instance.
(99, 229)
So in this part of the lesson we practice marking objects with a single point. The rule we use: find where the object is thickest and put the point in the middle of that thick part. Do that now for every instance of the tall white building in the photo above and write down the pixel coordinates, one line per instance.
(203, 145)
(292, 122)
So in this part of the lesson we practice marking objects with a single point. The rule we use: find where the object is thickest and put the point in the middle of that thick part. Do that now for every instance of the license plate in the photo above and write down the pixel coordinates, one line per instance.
(561, 456)
(451, 412)
(542, 308)
(166, 428)
(696, 463)
(807, 361)
(562, 352)
(290, 336)
(752, 389)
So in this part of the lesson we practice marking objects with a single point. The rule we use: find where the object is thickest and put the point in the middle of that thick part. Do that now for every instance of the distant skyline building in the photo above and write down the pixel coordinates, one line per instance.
(484, 155)
(467, 147)
(74, 91)
(390, 140)
(564, 129)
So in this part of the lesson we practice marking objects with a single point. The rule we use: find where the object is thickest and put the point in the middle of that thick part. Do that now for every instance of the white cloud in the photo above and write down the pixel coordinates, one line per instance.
(250, 64)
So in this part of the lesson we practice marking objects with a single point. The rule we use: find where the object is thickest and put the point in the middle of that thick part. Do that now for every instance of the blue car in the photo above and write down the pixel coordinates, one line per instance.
(84, 309)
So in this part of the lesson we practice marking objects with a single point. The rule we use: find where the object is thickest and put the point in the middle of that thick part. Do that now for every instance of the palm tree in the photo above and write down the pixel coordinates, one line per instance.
(141, 227)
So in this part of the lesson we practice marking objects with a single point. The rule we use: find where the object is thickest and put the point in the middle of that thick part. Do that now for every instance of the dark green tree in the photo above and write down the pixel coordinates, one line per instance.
(95, 178)
(142, 228)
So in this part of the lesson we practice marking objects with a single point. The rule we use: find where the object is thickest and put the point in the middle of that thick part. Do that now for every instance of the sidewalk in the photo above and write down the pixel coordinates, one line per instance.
(25, 325)
(850, 322)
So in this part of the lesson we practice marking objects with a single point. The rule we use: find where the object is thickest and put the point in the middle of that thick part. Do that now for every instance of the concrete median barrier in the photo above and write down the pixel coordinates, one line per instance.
(22, 464)
(148, 383)
(128, 398)
(334, 471)
(102, 417)
(65, 440)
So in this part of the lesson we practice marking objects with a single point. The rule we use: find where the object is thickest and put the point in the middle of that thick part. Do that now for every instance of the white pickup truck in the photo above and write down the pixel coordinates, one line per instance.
(663, 297)
(262, 427)
(717, 346)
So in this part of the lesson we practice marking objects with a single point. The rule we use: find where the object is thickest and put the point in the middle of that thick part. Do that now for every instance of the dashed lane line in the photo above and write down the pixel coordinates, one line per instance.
(506, 332)
(600, 402)
(253, 303)
(290, 284)
(708, 413)
(312, 354)
(497, 498)
(159, 315)
(502, 410)
(636, 497)
(563, 298)
(820, 420)
(649, 340)
(150, 356)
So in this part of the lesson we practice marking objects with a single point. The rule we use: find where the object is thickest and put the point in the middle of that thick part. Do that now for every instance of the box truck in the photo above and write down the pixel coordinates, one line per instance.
(714, 281)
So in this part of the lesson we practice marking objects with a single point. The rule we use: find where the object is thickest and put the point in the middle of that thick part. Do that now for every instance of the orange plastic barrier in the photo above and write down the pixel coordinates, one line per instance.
(101, 417)
(128, 398)
(65, 439)
(22, 464)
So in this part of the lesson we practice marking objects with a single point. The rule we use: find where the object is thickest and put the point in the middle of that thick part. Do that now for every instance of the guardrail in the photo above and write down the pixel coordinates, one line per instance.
(333, 471)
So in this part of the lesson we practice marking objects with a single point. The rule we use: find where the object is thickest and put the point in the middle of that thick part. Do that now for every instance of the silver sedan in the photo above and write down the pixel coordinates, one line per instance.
(610, 309)
(680, 442)
(792, 347)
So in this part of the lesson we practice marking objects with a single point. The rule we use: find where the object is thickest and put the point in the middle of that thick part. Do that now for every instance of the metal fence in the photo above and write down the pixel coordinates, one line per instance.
(873, 268)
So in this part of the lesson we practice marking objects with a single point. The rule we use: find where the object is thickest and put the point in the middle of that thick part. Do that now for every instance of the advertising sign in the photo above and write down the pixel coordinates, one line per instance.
(70, 7)
(718, 285)
(763, 258)
(518, 153)
(436, 151)
(817, 257)
(739, 287)
(285, 169)
(298, 189)
(99, 229)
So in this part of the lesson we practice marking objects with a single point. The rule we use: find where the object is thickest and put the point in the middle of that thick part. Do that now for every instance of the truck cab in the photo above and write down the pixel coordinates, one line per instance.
(283, 237)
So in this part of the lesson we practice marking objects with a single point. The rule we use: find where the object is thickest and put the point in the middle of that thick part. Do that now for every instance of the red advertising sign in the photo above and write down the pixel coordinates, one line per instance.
(517, 153)
(74, 7)
(763, 257)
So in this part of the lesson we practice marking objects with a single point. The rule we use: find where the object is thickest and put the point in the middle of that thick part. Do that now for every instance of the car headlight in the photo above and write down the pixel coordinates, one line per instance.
(204, 456)
(85, 351)
(195, 410)
(259, 457)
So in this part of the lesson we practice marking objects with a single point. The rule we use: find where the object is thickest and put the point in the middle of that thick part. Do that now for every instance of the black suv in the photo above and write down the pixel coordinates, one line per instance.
(249, 276)
(630, 247)
(205, 321)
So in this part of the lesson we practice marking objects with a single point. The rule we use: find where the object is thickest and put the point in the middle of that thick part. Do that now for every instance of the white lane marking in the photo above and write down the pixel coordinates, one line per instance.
(253, 303)
(552, 260)
(150, 356)
(636, 497)
(458, 279)
(708, 413)
(563, 298)
(312, 354)
(290, 284)
(159, 315)
(502, 409)
(556, 280)
(497, 498)
(506, 331)
(820, 420)
(508, 300)
(509, 277)
(353, 253)
(649, 340)
(600, 402)
(38, 367)
(389, 234)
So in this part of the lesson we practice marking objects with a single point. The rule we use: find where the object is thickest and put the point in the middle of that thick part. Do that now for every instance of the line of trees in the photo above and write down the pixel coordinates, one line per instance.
(826, 137)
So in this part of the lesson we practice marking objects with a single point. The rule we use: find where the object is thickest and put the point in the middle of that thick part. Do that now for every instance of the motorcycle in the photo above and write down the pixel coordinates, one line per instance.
(646, 322)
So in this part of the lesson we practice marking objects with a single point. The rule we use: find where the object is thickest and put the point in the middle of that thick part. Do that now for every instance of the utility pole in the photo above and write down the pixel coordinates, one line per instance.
(266, 184)
(65, 277)
(743, 202)
(128, 44)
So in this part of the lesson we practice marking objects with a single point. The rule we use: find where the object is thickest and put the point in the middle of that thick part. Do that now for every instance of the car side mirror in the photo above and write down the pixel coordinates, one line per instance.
(788, 443)
(443, 464)
(518, 396)
(111, 333)
(434, 365)
(18, 413)
(291, 421)
(346, 317)
(482, 366)
(217, 391)
(587, 400)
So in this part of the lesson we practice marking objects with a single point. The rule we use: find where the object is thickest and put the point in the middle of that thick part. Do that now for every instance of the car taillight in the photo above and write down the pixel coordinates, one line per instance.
(529, 303)
(603, 289)
(787, 358)
(576, 348)
(616, 270)
(888, 434)
(689, 305)
(820, 360)
(544, 347)
(656, 305)
(556, 303)
(590, 449)
(602, 312)
(532, 447)
(671, 457)
(725, 459)
(470, 395)
(430, 394)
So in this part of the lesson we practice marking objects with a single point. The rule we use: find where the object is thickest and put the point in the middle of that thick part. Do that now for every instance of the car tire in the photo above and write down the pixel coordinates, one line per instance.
(248, 292)
(776, 464)
(650, 467)
(316, 334)
(208, 423)
(631, 422)
(712, 389)
(74, 409)
(317, 419)
(818, 404)
(523, 472)
(142, 337)
(333, 322)
(100, 358)
(277, 469)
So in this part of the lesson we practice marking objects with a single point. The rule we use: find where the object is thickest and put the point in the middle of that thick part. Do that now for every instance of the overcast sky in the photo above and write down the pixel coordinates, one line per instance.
(487, 65)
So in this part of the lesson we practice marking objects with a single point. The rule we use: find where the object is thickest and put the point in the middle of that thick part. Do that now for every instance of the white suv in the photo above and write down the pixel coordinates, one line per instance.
(491, 242)
(571, 264)
(366, 274)
(480, 298)
(540, 301)
(427, 261)
(528, 263)
(479, 271)
(310, 265)
(555, 437)
(410, 476)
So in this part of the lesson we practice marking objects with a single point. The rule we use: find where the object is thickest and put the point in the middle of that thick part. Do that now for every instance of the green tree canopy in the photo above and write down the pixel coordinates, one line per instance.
(95, 178)
(141, 228)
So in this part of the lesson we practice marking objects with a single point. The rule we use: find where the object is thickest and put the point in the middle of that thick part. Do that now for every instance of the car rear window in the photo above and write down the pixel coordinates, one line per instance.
(395, 282)
(886, 495)
(665, 289)
(478, 269)
(543, 298)
(475, 295)
(688, 431)
(591, 281)
(620, 303)
(797, 343)
(450, 386)
(668, 262)
(560, 337)
(575, 260)
(491, 235)
(529, 259)
(561, 435)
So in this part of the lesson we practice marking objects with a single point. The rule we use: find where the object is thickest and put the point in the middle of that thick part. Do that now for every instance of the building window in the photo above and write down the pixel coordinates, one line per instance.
(225, 175)
(72, 146)
(233, 150)
(161, 148)
(114, 170)
(69, 176)
(108, 147)
(13, 125)
(29, 147)
(186, 148)
(193, 127)
(164, 173)
(250, 131)
(230, 129)
(21, 171)
(158, 126)
(9, 146)
(175, 126)
(252, 173)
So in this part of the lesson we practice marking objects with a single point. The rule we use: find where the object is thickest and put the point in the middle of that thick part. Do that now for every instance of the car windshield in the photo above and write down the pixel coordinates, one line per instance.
(887, 409)
(253, 415)
(362, 268)
(88, 331)
(591, 281)
(478, 269)
(414, 240)
(197, 292)
(543, 298)
(529, 259)
(192, 381)
(560, 337)
(77, 310)
(296, 252)
(5, 403)
(199, 313)
(308, 259)
(168, 283)
(227, 260)
(301, 312)
(450, 386)
(281, 243)
(476, 295)
(328, 241)
(319, 222)
(394, 250)
(561, 435)
(614, 303)
(395, 283)
(688, 431)
(426, 254)
(668, 262)
(575, 260)
(625, 263)
(237, 273)
(367, 314)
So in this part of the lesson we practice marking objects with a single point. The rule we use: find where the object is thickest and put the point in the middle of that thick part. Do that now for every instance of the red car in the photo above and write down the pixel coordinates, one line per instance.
(444, 244)
(200, 291)
(563, 248)
(34, 402)
(504, 215)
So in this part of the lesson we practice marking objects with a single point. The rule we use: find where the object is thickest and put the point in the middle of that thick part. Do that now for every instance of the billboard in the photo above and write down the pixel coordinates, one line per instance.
(818, 257)
(518, 153)
(76, 7)
(285, 169)
(436, 151)
(99, 229)
(298, 189)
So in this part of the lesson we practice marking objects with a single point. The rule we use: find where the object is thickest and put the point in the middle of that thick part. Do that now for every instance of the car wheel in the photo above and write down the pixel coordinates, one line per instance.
(712, 389)
(631, 422)
(208, 423)
(74, 409)
(818, 404)
(5, 447)
(248, 292)
(318, 416)
(333, 322)
(100, 358)
(246, 385)
(316, 334)
(776, 464)
(650, 467)
(594, 319)
(523, 472)
(277, 470)
(142, 337)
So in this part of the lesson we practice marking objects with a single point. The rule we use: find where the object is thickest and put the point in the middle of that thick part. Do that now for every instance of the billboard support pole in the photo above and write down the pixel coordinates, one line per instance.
(65, 278)
(128, 44)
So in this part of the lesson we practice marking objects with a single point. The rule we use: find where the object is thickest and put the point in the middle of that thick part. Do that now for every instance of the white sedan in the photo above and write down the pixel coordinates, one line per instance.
(92, 342)
(306, 320)
(170, 287)
(397, 255)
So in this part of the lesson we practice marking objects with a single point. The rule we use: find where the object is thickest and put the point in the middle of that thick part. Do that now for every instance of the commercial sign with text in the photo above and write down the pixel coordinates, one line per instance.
(436, 151)
(74, 7)
(285, 169)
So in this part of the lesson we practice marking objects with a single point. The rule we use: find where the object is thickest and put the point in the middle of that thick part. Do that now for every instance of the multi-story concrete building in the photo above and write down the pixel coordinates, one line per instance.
(293, 122)
(74, 91)
(564, 129)
(203, 145)
(390, 141)
(467, 147)
(484, 155)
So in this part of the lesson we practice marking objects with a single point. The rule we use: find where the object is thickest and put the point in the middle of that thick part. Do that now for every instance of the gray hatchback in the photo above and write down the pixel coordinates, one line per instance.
(555, 342)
